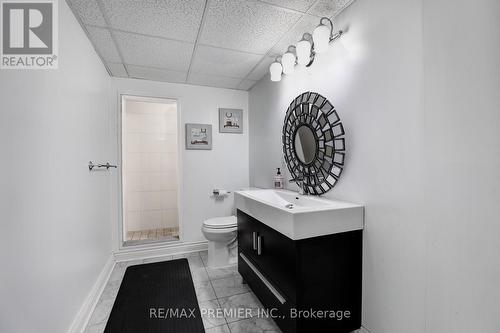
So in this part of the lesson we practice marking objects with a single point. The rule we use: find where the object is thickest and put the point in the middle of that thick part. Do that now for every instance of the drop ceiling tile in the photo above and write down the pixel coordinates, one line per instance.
(262, 69)
(156, 74)
(117, 70)
(328, 8)
(247, 84)
(88, 11)
(102, 41)
(212, 60)
(167, 18)
(154, 52)
(213, 80)
(245, 26)
(300, 5)
(306, 24)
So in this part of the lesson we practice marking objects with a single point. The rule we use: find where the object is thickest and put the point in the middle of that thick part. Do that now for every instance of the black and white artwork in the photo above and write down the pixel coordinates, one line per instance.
(199, 136)
(230, 120)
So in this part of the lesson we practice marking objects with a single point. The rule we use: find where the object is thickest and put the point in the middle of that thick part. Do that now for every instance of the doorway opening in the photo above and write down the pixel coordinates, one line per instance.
(150, 175)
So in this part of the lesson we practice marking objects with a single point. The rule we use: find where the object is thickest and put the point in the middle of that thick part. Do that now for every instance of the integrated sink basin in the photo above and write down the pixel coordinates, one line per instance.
(299, 216)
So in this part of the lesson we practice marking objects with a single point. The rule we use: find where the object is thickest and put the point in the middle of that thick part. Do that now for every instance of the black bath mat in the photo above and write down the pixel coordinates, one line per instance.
(157, 297)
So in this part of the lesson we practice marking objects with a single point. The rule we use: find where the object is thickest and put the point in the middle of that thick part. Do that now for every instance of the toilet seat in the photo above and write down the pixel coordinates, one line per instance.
(220, 222)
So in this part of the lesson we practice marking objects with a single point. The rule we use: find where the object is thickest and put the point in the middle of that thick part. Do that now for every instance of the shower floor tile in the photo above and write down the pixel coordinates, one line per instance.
(153, 234)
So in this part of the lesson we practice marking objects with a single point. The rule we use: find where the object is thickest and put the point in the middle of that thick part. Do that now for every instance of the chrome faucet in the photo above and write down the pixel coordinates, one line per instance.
(300, 182)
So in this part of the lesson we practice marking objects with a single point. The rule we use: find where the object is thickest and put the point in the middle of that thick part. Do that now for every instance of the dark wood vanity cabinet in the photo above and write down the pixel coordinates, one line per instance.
(296, 279)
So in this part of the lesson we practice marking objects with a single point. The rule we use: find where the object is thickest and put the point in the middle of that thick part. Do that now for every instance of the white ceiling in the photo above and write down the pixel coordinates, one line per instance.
(218, 43)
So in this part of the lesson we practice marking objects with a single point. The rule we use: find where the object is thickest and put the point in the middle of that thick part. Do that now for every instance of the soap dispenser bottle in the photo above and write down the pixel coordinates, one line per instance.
(278, 179)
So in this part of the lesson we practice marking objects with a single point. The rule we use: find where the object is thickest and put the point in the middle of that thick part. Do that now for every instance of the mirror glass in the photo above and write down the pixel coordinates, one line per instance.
(305, 144)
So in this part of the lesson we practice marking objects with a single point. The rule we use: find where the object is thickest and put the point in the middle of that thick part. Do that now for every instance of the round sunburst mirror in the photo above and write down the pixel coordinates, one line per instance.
(313, 142)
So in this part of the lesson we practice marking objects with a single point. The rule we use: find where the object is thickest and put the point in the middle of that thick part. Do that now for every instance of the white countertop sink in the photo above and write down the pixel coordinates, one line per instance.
(299, 216)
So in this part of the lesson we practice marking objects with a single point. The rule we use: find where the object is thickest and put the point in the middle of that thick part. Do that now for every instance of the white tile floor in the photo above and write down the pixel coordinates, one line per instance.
(215, 289)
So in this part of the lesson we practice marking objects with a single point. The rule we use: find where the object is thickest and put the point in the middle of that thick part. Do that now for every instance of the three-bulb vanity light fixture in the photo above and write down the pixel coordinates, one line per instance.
(306, 49)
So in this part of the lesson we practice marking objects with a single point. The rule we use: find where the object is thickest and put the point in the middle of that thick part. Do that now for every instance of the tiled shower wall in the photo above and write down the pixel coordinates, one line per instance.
(150, 155)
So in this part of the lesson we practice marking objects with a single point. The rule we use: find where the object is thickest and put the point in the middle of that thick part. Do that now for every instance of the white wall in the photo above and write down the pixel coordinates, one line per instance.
(416, 84)
(225, 166)
(55, 228)
(462, 142)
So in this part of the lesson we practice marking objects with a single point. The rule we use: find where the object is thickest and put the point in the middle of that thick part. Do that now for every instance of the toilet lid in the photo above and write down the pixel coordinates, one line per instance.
(220, 222)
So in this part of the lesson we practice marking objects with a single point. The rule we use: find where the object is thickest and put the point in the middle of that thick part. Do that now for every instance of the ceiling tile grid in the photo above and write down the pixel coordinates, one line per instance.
(166, 18)
(246, 25)
(156, 74)
(88, 11)
(262, 68)
(154, 52)
(219, 43)
(300, 5)
(213, 80)
(103, 42)
(329, 8)
(307, 23)
(217, 61)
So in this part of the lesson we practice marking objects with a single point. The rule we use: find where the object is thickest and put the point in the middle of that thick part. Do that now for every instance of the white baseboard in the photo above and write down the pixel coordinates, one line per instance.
(160, 251)
(82, 317)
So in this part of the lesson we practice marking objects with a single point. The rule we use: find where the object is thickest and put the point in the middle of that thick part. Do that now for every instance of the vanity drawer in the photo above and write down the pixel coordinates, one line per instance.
(273, 253)
(276, 304)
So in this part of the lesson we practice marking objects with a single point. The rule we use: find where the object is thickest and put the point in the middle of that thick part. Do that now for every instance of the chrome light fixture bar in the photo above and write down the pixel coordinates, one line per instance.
(306, 49)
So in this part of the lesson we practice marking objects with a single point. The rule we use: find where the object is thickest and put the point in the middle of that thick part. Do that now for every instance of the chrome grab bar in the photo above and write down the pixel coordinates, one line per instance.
(100, 166)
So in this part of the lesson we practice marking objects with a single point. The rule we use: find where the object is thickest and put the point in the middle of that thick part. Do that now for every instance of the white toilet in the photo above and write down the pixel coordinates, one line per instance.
(221, 235)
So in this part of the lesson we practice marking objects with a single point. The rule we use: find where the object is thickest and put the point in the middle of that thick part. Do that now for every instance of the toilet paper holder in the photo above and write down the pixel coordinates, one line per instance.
(219, 192)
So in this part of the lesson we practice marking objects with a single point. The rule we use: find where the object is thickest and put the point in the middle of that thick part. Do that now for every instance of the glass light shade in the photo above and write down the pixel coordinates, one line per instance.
(321, 38)
(303, 52)
(288, 62)
(275, 70)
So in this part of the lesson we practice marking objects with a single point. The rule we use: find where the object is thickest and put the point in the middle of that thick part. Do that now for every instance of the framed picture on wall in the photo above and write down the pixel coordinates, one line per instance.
(230, 120)
(199, 136)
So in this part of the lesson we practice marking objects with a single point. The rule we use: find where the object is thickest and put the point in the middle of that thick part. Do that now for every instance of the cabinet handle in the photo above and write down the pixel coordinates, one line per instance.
(259, 245)
(254, 241)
